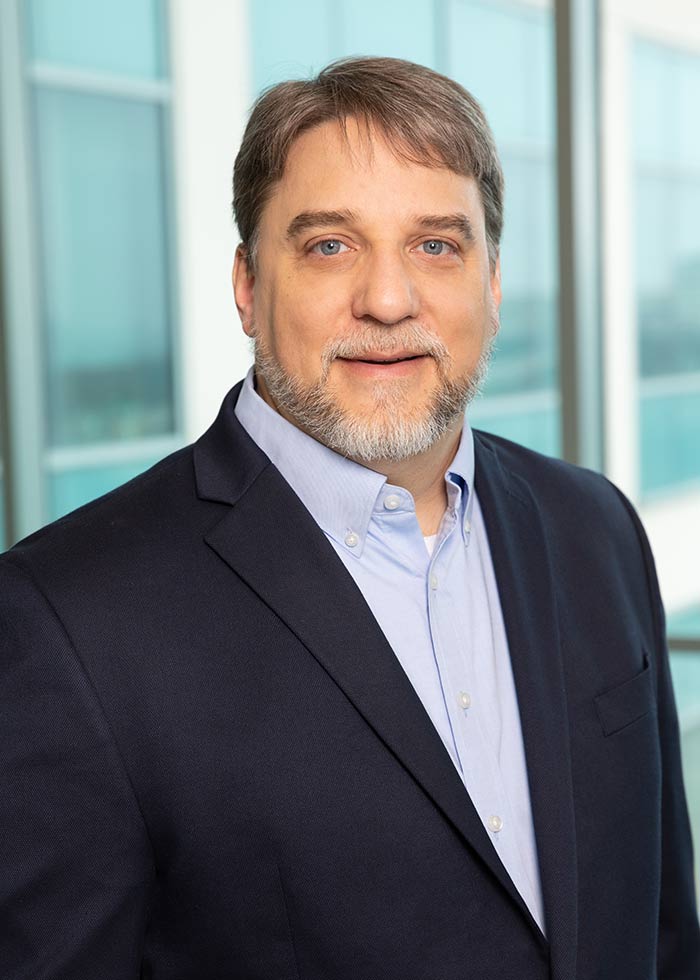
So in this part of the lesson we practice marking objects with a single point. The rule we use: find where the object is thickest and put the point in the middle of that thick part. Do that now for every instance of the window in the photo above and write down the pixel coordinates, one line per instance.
(666, 92)
(92, 113)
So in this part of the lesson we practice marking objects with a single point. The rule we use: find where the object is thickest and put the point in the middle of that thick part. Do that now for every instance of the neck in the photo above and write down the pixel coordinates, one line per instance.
(424, 477)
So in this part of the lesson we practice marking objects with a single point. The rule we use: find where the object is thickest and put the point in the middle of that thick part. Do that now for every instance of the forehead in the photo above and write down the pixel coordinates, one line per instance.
(356, 169)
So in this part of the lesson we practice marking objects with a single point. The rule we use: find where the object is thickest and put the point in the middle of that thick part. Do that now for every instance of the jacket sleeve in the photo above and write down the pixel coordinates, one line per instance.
(679, 934)
(75, 857)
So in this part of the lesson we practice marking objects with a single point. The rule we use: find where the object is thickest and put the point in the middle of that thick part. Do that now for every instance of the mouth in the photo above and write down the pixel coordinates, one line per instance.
(383, 358)
(377, 366)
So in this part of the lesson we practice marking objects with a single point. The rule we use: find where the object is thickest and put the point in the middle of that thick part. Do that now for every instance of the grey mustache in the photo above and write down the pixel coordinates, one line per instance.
(417, 341)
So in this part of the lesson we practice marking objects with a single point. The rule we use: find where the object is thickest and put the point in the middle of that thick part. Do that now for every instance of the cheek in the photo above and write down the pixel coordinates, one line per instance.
(466, 330)
(306, 322)
(298, 339)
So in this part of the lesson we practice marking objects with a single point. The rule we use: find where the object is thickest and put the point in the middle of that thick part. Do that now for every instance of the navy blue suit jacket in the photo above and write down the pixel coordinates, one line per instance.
(213, 766)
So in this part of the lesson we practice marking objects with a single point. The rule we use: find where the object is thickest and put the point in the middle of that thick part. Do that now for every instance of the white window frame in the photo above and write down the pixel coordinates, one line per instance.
(210, 64)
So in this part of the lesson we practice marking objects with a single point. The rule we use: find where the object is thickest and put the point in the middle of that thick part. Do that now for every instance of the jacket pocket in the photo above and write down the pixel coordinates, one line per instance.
(627, 702)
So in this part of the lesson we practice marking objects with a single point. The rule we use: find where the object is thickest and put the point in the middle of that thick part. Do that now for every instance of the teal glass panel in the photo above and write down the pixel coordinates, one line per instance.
(73, 488)
(670, 434)
(665, 93)
(653, 106)
(687, 100)
(526, 348)
(102, 222)
(124, 37)
(685, 668)
(685, 622)
(667, 240)
(504, 54)
(392, 28)
(297, 40)
(291, 40)
(666, 82)
(529, 423)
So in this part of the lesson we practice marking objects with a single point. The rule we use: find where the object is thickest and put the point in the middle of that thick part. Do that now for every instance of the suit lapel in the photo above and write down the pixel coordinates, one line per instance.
(309, 588)
(521, 563)
(318, 600)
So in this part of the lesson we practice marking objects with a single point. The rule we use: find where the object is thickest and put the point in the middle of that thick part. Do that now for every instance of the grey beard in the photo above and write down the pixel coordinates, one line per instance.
(389, 433)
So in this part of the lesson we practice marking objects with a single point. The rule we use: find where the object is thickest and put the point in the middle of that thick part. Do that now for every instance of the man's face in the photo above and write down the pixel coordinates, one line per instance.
(372, 305)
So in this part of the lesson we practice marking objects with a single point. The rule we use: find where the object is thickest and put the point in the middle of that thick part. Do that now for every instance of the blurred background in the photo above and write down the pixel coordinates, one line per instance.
(119, 122)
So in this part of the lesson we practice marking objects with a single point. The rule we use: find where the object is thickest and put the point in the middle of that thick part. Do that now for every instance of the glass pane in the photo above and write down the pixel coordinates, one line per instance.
(308, 34)
(687, 98)
(527, 355)
(532, 420)
(395, 28)
(685, 622)
(685, 668)
(667, 267)
(668, 272)
(652, 103)
(73, 488)
(115, 36)
(504, 54)
(670, 430)
(105, 268)
(290, 40)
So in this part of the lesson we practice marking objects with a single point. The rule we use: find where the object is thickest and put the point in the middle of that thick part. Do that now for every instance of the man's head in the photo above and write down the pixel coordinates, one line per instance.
(369, 201)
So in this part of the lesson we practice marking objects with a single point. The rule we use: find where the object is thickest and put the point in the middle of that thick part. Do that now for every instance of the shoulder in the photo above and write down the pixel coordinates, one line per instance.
(561, 490)
(109, 537)
(593, 532)
(587, 519)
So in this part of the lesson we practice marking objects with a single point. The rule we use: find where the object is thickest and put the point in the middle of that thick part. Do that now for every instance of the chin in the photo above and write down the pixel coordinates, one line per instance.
(396, 394)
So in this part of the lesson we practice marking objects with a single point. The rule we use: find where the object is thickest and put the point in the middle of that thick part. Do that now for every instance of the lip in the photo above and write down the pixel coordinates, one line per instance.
(383, 357)
(383, 365)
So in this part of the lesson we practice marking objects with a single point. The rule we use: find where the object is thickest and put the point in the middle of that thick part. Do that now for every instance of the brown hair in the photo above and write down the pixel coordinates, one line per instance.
(426, 117)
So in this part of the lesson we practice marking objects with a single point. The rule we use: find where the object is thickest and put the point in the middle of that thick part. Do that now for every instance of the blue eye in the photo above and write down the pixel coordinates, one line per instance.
(435, 247)
(331, 246)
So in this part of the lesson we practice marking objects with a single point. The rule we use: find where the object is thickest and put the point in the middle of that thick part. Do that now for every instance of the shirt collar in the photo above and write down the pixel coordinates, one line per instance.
(340, 495)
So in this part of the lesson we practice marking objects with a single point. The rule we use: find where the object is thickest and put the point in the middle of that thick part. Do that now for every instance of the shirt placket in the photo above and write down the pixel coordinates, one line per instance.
(476, 758)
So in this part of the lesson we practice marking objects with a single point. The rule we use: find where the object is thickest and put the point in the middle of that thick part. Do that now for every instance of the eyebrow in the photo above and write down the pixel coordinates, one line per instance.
(318, 219)
(457, 222)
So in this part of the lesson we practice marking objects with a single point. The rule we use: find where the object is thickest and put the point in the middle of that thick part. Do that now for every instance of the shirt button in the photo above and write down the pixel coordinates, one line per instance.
(465, 700)
(392, 502)
(351, 539)
(467, 527)
(433, 581)
(495, 823)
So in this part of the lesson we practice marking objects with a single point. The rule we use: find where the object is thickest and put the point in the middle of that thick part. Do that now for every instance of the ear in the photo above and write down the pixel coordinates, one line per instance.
(495, 283)
(244, 289)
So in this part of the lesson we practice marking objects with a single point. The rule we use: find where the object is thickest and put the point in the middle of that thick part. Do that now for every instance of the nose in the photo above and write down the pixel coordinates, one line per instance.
(385, 290)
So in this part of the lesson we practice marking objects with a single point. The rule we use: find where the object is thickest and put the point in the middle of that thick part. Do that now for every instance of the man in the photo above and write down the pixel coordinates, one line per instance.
(346, 690)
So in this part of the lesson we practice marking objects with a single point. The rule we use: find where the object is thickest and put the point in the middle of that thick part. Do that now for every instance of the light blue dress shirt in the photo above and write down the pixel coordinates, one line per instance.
(437, 603)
